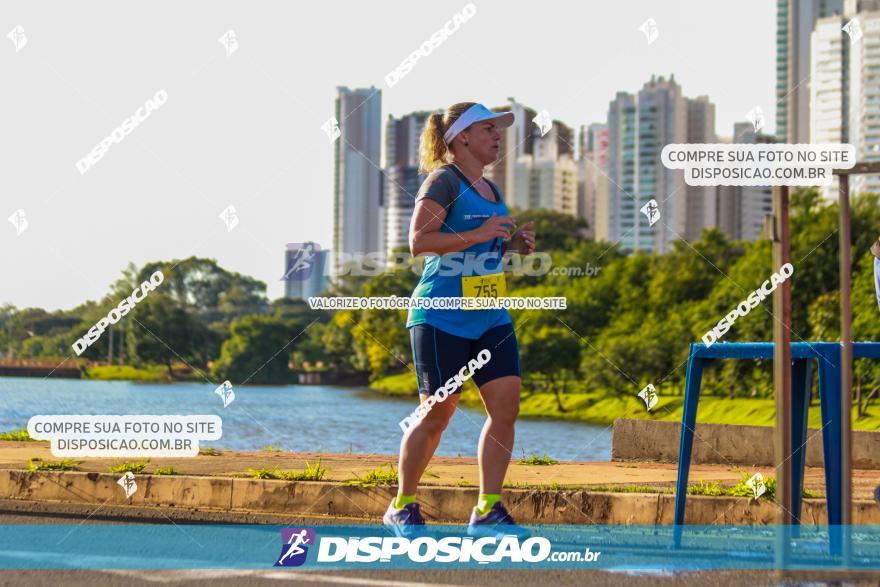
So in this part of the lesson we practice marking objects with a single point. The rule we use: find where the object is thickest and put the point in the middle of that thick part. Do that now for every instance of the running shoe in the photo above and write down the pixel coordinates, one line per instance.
(497, 523)
(404, 522)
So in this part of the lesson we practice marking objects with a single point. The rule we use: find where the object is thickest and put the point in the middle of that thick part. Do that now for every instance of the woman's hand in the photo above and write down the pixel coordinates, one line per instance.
(494, 227)
(523, 241)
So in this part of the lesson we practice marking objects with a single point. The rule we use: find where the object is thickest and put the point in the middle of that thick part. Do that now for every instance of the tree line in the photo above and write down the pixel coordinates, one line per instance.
(628, 324)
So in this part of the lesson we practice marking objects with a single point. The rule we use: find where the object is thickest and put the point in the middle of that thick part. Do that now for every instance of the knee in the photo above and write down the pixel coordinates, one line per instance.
(505, 415)
(436, 421)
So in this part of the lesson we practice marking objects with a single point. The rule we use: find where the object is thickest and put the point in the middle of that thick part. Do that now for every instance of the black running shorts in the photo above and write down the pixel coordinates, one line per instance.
(440, 358)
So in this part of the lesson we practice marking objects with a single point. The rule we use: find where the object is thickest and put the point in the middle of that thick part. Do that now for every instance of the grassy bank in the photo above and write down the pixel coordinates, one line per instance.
(603, 409)
(150, 373)
(127, 373)
(404, 385)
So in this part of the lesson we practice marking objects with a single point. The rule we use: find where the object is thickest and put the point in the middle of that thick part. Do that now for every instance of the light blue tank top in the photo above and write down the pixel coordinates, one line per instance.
(442, 274)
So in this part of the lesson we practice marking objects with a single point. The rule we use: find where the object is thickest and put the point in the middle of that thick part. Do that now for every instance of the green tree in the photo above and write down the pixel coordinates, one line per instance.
(258, 350)
(161, 331)
(551, 352)
(207, 291)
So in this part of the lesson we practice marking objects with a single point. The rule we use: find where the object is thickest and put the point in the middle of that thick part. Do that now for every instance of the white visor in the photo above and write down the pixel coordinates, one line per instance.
(477, 113)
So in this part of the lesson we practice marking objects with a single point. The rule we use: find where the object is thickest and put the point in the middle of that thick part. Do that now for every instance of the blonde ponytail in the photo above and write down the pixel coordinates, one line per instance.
(433, 151)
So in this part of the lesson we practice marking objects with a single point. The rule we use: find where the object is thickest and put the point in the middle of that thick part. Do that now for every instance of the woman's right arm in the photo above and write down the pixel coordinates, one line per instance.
(425, 236)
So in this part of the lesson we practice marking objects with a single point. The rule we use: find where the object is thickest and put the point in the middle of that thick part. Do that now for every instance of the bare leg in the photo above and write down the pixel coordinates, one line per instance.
(419, 443)
(501, 398)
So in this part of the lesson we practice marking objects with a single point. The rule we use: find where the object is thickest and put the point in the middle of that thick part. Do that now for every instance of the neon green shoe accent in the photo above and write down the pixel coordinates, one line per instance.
(486, 501)
(402, 500)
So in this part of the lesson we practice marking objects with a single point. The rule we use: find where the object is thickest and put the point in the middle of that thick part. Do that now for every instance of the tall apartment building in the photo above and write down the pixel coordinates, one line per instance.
(357, 184)
(638, 128)
(402, 177)
(523, 171)
(593, 179)
(516, 140)
(844, 90)
(547, 178)
(700, 201)
(829, 100)
(863, 91)
(741, 209)
(795, 21)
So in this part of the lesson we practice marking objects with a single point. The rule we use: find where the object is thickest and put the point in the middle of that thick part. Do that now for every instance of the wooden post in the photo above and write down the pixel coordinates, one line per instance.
(782, 375)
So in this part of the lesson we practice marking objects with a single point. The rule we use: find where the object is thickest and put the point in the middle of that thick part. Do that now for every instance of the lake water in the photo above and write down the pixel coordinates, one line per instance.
(295, 417)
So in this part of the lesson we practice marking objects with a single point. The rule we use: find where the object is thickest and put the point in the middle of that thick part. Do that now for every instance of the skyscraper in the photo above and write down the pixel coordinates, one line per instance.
(523, 137)
(829, 108)
(638, 128)
(547, 177)
(700, 201)
(402, 177)
(516, 140)
(862, 91)
(741, 209)
(795, 20)
(844, 88)
(593, 179)
(357, 185)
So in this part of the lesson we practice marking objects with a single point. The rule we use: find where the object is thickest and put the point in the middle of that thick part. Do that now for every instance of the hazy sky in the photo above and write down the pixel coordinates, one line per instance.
(245, 130)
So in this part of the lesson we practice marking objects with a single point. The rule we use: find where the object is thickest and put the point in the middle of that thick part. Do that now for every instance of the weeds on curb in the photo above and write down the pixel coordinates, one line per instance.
(537, 460)
(311, 473)
(38, 464)
(375, 477)
(554, 486)
(164, 471)
(129, 467)
(743, 490)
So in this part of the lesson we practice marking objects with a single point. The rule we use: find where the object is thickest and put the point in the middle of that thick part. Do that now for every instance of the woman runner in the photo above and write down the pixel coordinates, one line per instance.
(461, 222)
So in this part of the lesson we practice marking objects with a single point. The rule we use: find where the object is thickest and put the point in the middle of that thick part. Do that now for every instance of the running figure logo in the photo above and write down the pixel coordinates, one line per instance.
(649, 394)
(301, 262)
(756, 117)
(652, 211)
(756, 484)
(650, 30)
(543, 121)
(229, 42)
(331, 127)
(226, 393)
(854, 29)
(18, 38)
(19, 221)
(128, 483)
(294, 547)
(229, 217)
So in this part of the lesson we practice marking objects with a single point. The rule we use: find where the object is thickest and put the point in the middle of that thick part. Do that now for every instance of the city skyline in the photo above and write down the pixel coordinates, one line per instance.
(198, 154)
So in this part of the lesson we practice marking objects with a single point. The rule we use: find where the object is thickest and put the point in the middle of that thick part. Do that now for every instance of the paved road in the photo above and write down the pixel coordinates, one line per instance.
(401, 578)
(406, 579)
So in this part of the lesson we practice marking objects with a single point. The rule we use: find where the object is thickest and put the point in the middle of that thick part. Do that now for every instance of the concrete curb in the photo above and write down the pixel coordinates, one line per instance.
(185, 493)
(659, 441)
